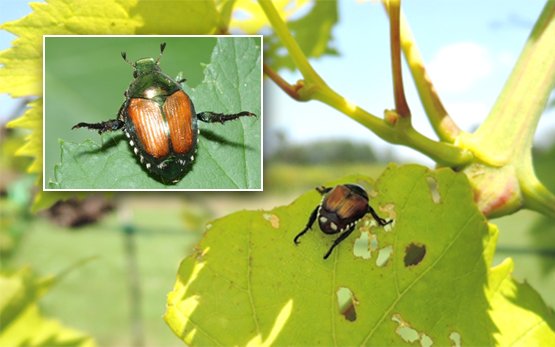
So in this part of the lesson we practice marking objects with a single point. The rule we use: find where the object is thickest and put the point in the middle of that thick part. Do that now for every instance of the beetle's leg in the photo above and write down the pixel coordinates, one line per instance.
(211, 117)
(111, 125)
(311, 221)
(339, 239)
(323, 190)
(380, 221)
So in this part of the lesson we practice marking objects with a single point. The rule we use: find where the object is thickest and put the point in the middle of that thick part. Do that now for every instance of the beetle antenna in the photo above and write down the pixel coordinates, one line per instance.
(162, 46)
(124, 55)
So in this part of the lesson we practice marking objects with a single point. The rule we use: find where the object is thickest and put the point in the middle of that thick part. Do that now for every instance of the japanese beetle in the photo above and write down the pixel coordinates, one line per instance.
(159, 119)
(339, 212)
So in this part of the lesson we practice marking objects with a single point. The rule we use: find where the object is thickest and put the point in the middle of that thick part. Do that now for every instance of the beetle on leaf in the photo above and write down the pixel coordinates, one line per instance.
(159, 119)
(340, 210)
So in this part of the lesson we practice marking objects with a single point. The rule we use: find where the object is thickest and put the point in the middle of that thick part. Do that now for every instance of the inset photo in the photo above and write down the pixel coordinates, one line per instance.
(152, 113)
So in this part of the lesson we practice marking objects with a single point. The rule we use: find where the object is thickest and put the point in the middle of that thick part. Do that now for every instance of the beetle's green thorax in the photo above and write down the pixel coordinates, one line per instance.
(150, 82)
(145, 66)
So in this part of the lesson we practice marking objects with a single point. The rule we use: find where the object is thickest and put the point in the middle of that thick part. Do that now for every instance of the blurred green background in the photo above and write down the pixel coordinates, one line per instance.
(85, 78)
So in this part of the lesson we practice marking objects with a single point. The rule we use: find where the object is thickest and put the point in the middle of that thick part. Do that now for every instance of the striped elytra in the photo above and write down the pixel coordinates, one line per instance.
(180, 117)
(341, 207)
(161, 130)
(350, 204)
(149, 126)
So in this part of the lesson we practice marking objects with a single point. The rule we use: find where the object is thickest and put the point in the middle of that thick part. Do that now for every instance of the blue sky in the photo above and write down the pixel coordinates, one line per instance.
(469, 47)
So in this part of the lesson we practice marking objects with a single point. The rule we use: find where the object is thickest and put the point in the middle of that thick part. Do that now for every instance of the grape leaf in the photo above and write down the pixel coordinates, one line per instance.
(195, 17)
(32, 119)
(22, 323)
(251, 18)
(427, 277)
(228, 157)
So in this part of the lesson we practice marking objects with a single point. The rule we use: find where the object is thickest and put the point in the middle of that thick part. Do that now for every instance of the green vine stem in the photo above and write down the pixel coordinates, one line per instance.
(443, 125)
(397, 130)
(393, 129)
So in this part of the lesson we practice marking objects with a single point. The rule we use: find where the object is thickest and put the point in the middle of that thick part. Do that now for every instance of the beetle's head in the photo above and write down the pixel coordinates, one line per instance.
(145, 65)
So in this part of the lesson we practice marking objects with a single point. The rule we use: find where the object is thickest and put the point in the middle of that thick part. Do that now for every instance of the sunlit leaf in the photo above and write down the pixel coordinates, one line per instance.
(250, 18)
(22, 323)
(249, 283)
(176, 17)
(32, 119)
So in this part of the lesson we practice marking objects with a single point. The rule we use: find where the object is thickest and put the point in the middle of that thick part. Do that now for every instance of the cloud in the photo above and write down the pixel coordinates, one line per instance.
(457, 67)
(469, 115)
(507, 59)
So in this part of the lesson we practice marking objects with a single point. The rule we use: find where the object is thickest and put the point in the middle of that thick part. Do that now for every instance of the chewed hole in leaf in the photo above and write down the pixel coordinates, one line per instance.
(384, 255)
(434, 189)
(273, 219)
(414, 253)
(456, 337)
(362, 246)
(391, 214)
(404, 331)
(409, 334)
(374, 242)
(426, 341)
(346, 302)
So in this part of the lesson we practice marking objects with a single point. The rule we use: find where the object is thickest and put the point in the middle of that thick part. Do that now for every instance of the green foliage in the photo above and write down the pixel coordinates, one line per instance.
(271, 292)
(312, 33)
(22, 323)
(31, 119)
(11, 142)
(201, 17)
(543, 230)
(229, 156)
(14, 216)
